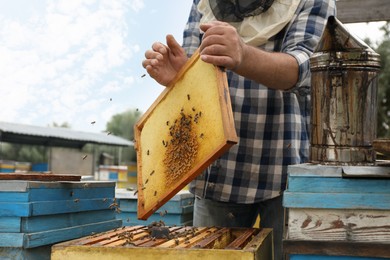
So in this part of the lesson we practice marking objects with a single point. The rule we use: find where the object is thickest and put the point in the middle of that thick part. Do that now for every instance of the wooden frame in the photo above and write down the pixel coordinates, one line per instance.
(188, 126)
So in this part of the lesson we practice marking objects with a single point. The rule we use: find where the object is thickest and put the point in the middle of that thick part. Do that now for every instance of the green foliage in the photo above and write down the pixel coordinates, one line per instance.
(23, 153)
(123, 125)
(383, 127)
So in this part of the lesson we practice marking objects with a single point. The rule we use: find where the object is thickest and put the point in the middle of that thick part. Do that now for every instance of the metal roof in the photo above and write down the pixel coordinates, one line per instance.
(56, 136)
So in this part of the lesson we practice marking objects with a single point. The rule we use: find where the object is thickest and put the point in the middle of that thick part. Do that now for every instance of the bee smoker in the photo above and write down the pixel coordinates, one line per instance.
(344, 98)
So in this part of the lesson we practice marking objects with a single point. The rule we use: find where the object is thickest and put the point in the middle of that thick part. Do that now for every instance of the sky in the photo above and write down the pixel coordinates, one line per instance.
(79, 61)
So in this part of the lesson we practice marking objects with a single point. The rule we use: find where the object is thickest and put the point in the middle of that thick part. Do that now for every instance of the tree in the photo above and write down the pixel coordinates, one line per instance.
(123, 125)
(383, 127)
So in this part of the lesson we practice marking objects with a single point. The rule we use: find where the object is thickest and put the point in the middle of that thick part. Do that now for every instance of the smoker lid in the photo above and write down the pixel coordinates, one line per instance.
(336, 38)
(340, 46)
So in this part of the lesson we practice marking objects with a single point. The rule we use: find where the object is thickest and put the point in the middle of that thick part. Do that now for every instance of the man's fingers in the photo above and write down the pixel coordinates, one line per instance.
(159, 47)
(173, 45)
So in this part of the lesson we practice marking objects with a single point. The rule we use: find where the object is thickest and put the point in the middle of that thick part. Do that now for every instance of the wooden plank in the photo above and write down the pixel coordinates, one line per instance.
(52, 207)
(95, 238)
(309, 169)
(336, 248)
(23, 186)
(11, 239)
(242, 239)
(70, 193)
(337, 185)
(57, 194)
(339, 225)
(312, 170)
(201, 233)
(171, 207)
(355, 11)
(217, 240)
(362, 200)
(29, 240)
(39, 177)
(67, 206)
(59, 235)
(58, 221)
(10, 224)
(14, 196)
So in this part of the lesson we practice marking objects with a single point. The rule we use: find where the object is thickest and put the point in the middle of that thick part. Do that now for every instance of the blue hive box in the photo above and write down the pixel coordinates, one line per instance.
(337, 212)
(35, 214)
(177, 211)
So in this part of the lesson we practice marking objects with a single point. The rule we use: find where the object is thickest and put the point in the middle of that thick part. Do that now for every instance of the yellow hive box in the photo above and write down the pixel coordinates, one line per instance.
(182, 243)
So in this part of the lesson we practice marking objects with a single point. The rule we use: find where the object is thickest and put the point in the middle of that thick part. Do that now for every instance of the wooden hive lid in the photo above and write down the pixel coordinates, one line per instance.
(187, 127)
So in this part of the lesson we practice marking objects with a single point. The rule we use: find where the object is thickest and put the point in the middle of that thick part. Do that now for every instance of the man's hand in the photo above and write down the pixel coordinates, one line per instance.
(221, 45)
(164, 61)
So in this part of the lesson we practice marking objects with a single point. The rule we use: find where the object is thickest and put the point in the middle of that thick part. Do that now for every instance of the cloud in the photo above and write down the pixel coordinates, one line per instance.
(63, 58)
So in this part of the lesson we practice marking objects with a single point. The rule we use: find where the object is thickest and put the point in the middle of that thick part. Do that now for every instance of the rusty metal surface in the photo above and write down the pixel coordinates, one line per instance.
(344, 97)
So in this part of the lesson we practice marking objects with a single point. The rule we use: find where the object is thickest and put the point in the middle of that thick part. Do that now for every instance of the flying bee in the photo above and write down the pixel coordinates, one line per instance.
(85, 156)
(93, 122)
(151, 173)
(76, 200)
(147, 152)
(143, 75)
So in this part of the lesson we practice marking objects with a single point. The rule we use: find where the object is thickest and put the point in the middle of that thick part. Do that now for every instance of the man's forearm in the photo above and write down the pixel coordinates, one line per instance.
(272, 69)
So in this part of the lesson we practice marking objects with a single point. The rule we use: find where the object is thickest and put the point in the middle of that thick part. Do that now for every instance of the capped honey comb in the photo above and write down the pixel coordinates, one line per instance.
(188, 126)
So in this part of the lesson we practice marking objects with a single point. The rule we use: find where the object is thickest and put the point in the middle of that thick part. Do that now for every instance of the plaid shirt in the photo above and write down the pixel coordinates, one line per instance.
(272, 125)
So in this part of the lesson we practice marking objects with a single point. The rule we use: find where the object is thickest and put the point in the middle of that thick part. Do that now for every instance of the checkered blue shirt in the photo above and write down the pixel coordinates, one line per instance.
(272, 125)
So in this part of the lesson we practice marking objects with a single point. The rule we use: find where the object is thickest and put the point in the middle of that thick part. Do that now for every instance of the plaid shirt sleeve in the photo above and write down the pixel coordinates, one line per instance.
(304, 33)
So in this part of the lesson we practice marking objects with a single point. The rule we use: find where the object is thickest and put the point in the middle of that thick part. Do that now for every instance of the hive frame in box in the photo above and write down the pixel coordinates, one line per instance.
(187, 127)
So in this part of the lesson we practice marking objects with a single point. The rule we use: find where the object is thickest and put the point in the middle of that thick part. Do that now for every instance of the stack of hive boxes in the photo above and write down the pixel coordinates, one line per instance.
(177, 211)
(336, 212)
(35, 214)
(7, 166)
(125, 176)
